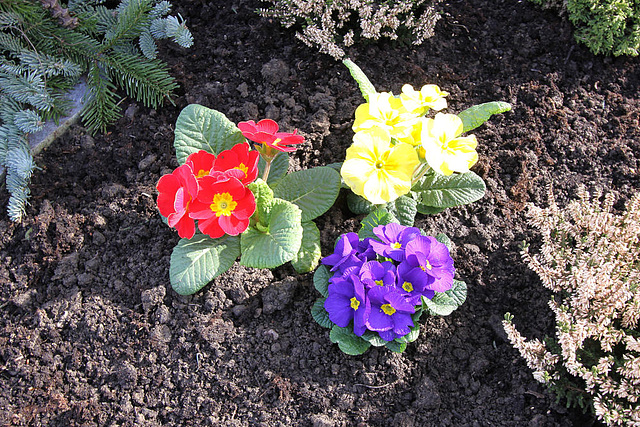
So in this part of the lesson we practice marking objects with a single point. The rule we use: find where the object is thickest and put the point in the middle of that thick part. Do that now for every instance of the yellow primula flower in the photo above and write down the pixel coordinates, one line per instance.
(386, 112)
(445, 150)
(375, 169)
(419, 102)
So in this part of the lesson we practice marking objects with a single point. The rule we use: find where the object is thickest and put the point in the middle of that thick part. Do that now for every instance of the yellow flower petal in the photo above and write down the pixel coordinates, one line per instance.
(377, 170)
(445, 151)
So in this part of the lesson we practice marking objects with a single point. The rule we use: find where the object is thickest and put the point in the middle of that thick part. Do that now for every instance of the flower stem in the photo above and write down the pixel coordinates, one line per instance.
(265, 174)
(419, 173)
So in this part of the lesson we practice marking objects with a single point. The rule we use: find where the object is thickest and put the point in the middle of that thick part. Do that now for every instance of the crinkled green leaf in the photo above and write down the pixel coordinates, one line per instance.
(310, 252)
(197, 261)
(396, 346)
(263, 195)
(313, 190)
(380, 216)
(201, 128)
(320, 315)
(373, 338)
(279, 167)
(358, 204)
(411, 336)
(443, 303)
(347, 341)
(279, 242)
(321, 280)
(404, 208)
(441, 191)
(478, 114)
(365, 85)
(428, 210)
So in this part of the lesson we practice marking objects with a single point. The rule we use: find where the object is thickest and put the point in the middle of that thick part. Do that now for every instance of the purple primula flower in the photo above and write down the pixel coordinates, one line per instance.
(346, 302)
(393, 240)
(365, 249)
(345, 253)
(413, 291)
(376, 273)
(427, 264)
(389, 311)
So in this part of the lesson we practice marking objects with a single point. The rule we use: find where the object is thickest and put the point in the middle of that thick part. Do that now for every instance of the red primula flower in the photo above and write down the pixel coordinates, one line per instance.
(176, 193)
(266, 132)
(239, 158)
(201, 163)
(223, 206)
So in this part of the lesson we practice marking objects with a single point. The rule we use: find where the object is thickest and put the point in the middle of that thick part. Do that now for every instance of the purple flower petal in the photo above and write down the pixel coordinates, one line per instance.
(339, 309)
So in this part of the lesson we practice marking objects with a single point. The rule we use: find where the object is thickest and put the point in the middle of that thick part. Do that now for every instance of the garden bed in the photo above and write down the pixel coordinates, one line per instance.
(91, 332)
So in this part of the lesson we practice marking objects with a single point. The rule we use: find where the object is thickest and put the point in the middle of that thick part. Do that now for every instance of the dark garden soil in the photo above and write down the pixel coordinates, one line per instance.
(91, 332)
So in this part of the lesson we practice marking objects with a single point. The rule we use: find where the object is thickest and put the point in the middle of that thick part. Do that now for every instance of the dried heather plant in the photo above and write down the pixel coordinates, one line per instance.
(590, 259)
(327, 24)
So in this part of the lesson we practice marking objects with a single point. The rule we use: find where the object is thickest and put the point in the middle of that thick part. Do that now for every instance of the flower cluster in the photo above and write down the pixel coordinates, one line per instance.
(212, 190)
(394, 143)
(378, 282)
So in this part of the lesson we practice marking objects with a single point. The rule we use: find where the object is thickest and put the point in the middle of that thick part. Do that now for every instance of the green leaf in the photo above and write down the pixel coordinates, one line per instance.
(313, 190)
(380, 216)
(335, 166)
(201, 128)
(366, 87)
(358, 204)
(443, 303)
(263, 195)
(404, 208)
(396, 346)
(347, 341)
(478, 114)
(321, 280)
(310, 252)
(197, 261)
(320, 315)
(279, 167)
(429, 210)
(281, 240)
(441, 191)
(373, 338)
(411, 336)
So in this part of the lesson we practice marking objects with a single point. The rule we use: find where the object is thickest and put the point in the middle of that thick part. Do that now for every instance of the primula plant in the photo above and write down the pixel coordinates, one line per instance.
(405, 162)
(378, 283)
(229, 199)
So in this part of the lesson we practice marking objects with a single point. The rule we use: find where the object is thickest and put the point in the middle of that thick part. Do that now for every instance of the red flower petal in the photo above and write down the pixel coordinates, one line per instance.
(211, 227)
(232, 225)
(245, 207)
(267, 126)
(201, 162)
(186, 227)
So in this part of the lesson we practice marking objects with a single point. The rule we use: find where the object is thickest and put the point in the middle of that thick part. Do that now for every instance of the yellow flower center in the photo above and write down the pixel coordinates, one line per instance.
(202, 173)
(276, 141)
(407, 286)
(223, 204)
(379, 283)
(379, 164)
(427, 266)
(355, 303)
(396, 245)
(388, 309)
(243, 168)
